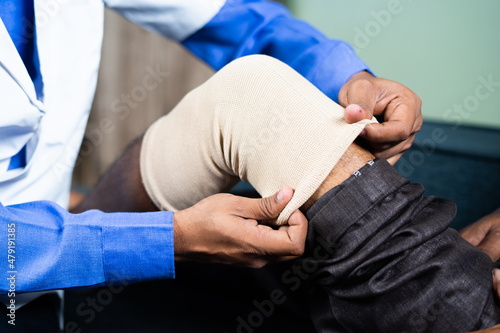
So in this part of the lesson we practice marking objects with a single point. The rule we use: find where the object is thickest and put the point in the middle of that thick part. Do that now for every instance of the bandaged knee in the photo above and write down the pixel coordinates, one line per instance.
(257, 120)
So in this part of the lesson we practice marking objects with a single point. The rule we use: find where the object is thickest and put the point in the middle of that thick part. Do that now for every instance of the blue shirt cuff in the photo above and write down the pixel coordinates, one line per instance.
(138, 247)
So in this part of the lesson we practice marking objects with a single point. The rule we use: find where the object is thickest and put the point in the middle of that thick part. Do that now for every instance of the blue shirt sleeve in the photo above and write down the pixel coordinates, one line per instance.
(244, 27)
(54, 249)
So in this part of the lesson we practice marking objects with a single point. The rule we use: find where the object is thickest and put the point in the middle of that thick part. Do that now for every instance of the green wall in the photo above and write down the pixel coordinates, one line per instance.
(446, 51)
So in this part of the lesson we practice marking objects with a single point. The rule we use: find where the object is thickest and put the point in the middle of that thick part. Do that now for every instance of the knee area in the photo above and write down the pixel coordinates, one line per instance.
(256, 119)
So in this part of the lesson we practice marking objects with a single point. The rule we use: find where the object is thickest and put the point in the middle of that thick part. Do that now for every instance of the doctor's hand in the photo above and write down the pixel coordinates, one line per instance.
(485, 234)
(224, 228)
(397, 108)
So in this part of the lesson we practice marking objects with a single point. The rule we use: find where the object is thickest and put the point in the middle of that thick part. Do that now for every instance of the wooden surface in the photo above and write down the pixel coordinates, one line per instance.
(128, 53)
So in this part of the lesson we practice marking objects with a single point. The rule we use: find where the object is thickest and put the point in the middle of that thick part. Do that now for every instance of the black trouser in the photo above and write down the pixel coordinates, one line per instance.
(391, 262)
(380, 258)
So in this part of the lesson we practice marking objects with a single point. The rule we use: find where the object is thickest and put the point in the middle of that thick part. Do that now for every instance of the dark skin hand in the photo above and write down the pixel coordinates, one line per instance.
(496, 282)
(399, 111)
(485, 234)
(395, 106)
(224, 228)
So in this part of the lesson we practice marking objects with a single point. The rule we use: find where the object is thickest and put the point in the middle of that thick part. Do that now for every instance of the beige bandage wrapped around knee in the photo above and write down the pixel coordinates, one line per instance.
(257, 120)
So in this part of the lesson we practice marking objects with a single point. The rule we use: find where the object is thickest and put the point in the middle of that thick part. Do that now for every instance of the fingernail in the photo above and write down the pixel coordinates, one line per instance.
(279, 197)
(363, 132)
(496, 273)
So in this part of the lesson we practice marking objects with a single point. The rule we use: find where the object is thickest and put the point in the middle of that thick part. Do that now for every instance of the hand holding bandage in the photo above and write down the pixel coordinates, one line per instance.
(225, 228)
(257, 120)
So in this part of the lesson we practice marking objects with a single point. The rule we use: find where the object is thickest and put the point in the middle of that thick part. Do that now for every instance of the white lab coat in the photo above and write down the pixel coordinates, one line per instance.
(69, 36)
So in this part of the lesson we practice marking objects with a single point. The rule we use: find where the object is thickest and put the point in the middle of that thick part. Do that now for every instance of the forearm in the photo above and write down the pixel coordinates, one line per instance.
(55, 249)
(121, 188)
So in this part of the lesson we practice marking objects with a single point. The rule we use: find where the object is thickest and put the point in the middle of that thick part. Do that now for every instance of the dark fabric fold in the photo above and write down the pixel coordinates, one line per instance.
(393, 263)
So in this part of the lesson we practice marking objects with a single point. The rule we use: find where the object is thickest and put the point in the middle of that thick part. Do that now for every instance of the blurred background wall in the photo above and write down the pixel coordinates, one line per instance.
(448, 52)
(442, 50)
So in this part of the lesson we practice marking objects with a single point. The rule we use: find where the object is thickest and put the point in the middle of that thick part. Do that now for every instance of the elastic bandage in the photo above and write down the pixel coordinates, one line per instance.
(257, 120)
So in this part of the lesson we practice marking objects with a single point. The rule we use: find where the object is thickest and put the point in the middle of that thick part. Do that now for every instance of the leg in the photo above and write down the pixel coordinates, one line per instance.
(394, 262)
(391, 259)
(243, 123)
(123, 179)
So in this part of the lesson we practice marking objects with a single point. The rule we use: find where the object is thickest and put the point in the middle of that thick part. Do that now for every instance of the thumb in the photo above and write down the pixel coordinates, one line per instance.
(496, 282)
(269, 208)
(490, 246)
(359, 96)
(357, 112)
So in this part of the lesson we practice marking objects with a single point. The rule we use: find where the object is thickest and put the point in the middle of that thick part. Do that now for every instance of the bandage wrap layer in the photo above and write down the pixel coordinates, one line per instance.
(257, 120)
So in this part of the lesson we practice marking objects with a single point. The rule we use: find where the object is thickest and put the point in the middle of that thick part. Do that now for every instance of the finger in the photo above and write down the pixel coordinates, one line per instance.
(394, 159)
(297, 235)
(297, 228)
(475, 233)
(393, 130)
(399, 123)
(390, 150)
(491, 244)
(266, 208)
(359, 96)
(287, 242)
(354, 113)
(496, 282)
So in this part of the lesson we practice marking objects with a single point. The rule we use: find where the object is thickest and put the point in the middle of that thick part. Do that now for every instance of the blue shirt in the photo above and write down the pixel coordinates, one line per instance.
(55, 249)
(18, 17)
(245, 27)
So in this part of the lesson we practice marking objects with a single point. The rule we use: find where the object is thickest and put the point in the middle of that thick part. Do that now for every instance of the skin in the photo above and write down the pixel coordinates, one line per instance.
(224, 228)
(496, 282)
(397, 108)
(485, 234)
(354, 159)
